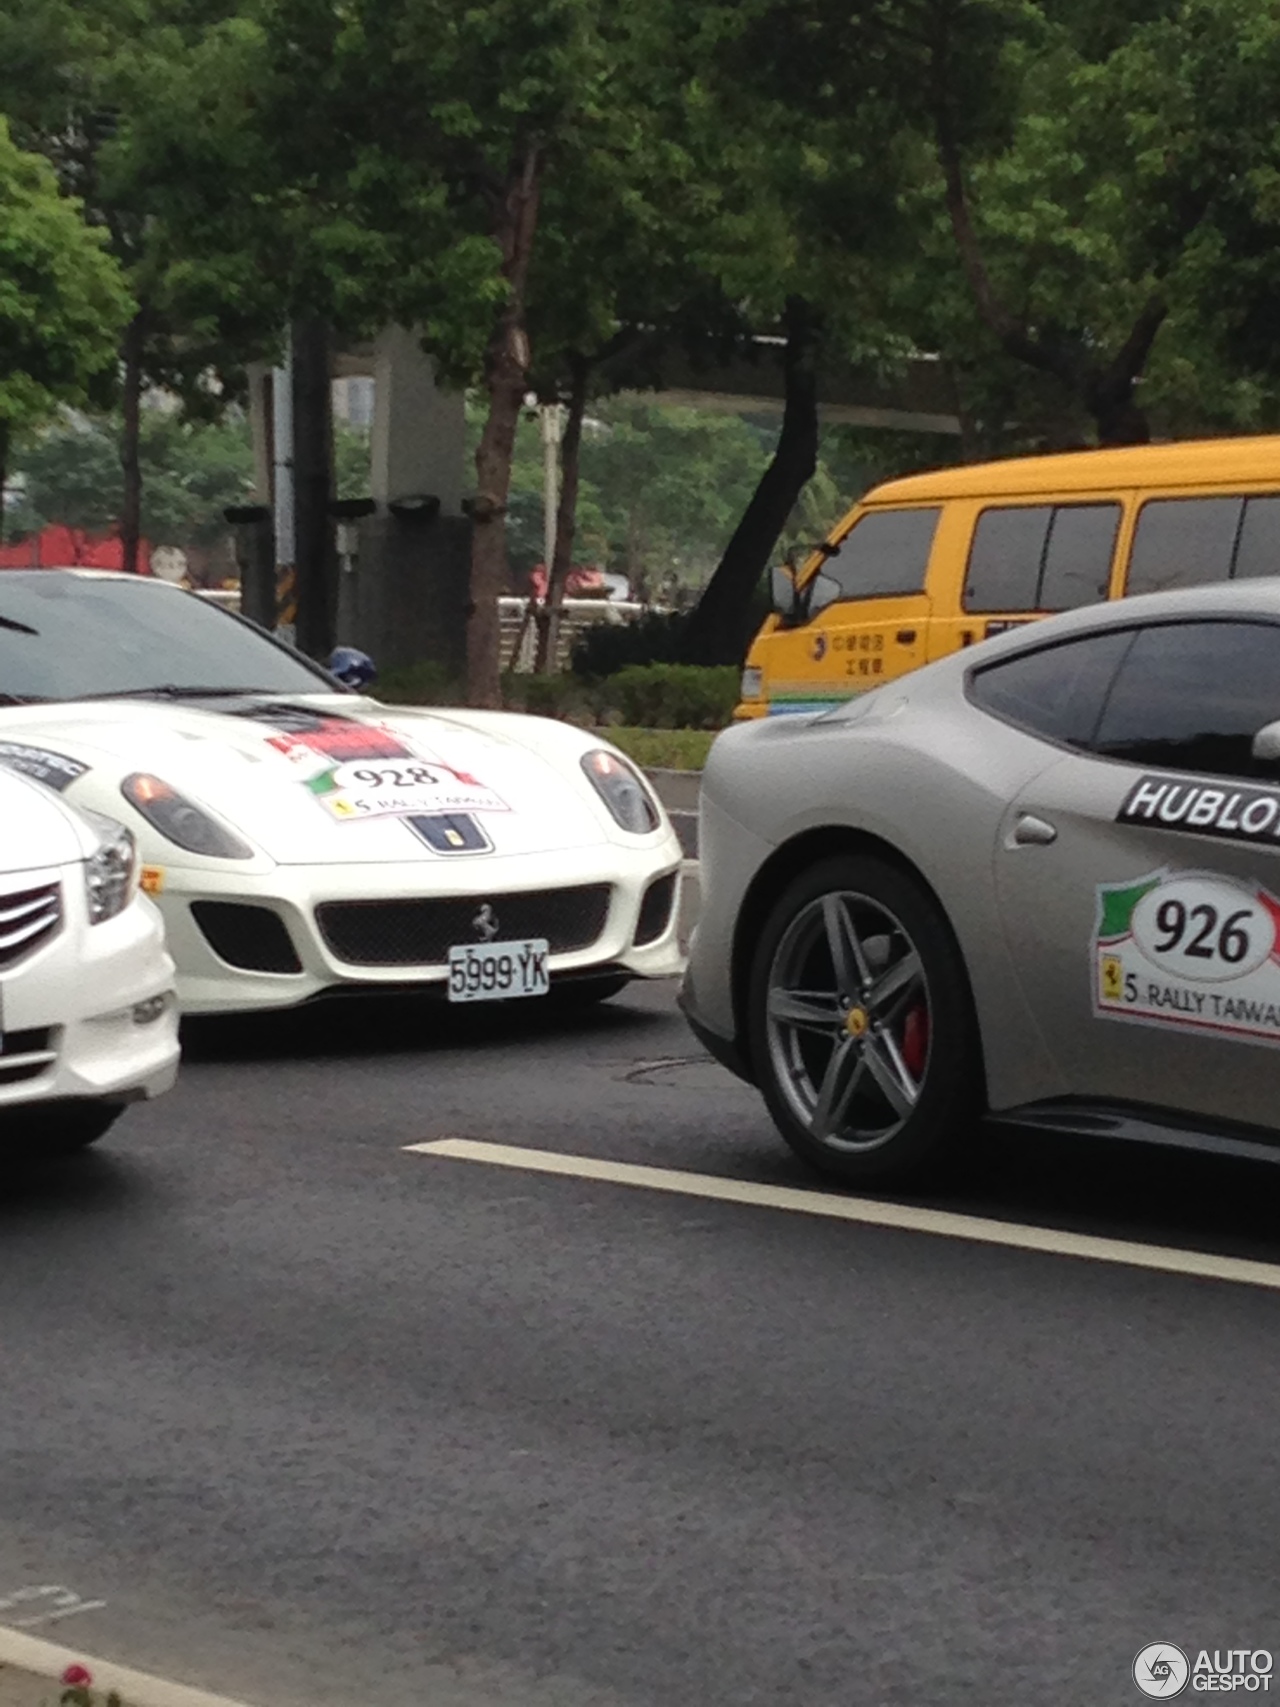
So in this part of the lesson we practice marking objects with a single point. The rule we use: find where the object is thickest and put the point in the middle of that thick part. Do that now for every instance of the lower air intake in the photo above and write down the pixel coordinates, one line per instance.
(252, 939)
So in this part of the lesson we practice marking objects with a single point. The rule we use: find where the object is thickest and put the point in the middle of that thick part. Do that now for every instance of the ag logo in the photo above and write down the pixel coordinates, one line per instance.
(1161, 1671)
(819, 648)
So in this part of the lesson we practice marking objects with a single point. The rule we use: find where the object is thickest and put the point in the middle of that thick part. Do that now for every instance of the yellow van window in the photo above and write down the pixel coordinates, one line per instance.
(1077, 559)
(1184, 542)
(1046, 557)
(1258, 547)
(886, 552)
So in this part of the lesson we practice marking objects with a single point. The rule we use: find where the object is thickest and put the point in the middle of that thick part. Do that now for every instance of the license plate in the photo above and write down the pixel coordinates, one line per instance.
(498, 971)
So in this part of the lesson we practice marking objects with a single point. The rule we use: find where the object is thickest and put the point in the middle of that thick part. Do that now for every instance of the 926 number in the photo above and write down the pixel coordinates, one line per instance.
(1209, 939)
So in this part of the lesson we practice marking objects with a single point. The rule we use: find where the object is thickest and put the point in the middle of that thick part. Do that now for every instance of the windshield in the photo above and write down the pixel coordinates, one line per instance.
(68, 636)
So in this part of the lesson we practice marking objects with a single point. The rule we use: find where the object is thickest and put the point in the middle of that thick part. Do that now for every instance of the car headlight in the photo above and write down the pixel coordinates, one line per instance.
(752, 682)
(111, 871)
(180, 820)
(623, 791)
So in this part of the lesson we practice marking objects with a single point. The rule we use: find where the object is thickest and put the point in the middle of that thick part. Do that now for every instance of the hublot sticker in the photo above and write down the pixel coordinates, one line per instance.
(1235, 811)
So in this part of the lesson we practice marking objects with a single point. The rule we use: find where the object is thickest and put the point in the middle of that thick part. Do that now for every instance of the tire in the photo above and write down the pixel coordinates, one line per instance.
(58, 1128)
(861, 1025)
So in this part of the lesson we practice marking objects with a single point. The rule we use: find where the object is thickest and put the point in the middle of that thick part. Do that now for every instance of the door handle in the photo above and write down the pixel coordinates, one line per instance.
(1032, 832)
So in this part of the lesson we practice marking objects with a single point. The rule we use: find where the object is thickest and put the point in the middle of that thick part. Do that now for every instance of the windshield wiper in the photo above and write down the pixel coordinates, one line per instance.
(175, 690)
(18, 627)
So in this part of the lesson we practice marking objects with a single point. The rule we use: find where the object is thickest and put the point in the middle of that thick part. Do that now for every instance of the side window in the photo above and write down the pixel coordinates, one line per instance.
(1077, 559)
(1258, 548)
(1004, 560)
(885, 553)
(1056, 691)
(1183, 542)
(1191, 696)
(1031, 557)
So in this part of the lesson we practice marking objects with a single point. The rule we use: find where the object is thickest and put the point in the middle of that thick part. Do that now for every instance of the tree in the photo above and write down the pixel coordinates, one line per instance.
(194, 471)
(137, 104)
(1066, 170)
(62, 300)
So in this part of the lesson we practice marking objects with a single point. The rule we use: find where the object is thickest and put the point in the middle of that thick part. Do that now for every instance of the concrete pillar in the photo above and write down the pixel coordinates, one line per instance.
(419, 431)
(409, 603)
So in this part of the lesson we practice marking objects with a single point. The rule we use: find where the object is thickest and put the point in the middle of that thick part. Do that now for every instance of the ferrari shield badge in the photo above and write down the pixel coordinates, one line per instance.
(1191, 949)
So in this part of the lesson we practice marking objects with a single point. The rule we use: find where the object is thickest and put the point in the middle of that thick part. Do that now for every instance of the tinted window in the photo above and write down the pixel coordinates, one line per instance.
(1184, 542)
(1258, 551)
(63, 636)
(1193, 695)
(1077, 559)
(885, 554)
(1058, 691)
(1004, 562)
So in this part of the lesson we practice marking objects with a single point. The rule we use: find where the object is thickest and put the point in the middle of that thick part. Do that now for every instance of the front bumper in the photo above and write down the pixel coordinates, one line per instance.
(208, 983)
(92, 1013)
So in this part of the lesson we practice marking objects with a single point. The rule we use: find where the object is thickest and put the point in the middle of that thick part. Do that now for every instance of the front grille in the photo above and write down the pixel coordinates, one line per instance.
(28, 917)
(655, 909)
(251, 938)
(421, 933)
(26, 1054)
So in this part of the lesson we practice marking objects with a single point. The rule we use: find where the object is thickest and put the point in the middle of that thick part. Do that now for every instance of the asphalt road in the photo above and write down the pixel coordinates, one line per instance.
(319, 1420)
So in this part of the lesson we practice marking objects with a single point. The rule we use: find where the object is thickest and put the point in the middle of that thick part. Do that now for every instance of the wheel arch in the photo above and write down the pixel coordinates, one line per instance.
(786, 863)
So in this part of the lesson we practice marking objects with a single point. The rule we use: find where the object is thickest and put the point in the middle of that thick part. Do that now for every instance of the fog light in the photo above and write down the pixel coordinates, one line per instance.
(148, 1012)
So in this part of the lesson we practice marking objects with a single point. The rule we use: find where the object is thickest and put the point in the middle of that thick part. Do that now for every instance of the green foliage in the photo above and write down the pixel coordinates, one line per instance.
(665, 749)
(674, 696)
(71, 474)
(62, 299)
(658, 696)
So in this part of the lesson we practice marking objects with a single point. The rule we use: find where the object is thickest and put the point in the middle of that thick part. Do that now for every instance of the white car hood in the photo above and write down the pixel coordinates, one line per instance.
(270, 769)
(36, 831)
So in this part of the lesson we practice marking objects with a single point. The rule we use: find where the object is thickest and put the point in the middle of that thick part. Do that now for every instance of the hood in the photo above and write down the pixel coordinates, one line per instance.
(36, 830)
(321, 777)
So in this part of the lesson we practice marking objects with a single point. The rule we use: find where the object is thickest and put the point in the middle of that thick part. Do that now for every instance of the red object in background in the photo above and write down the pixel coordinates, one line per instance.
(70, 548)
(578, 582)
(77, 1676)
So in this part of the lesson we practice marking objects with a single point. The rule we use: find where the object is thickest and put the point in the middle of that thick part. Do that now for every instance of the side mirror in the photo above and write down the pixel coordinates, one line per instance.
(784, 593)
(353, 668)
(1266, 744)
(823, 590)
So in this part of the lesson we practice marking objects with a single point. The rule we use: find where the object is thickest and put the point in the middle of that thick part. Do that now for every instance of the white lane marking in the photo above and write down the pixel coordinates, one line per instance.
(43, 1603)
(138, 1688)
(941, 1223)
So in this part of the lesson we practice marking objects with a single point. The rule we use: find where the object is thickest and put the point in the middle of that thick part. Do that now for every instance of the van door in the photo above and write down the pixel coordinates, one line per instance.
(1022, 560)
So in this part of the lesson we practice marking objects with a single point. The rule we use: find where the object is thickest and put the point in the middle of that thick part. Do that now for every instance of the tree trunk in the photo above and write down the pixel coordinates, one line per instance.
(130, 443)
(566, 515)
(4, 473)
(315, 551)
(718, 631)
(506, 370)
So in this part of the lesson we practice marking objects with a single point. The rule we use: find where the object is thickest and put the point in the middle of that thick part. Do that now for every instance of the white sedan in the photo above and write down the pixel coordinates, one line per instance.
(88, 1014)
(299, 838)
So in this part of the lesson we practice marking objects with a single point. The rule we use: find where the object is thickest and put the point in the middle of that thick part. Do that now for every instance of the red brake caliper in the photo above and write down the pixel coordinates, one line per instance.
(915, 1039)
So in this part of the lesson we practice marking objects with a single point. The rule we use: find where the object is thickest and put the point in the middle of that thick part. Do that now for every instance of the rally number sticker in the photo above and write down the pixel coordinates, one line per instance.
(401, 788)
(1191, 949)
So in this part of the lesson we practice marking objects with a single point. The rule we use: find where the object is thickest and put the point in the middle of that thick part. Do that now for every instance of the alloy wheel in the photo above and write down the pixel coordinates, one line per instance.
(848, 1021)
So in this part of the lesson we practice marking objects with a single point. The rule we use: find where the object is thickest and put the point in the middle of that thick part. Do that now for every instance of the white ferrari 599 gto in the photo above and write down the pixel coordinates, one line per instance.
(300, 838)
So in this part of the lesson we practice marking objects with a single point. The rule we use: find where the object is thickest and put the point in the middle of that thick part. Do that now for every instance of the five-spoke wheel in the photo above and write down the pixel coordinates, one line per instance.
(861, 1027)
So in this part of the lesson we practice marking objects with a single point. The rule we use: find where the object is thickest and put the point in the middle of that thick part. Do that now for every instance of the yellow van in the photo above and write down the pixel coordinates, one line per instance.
(928, 564)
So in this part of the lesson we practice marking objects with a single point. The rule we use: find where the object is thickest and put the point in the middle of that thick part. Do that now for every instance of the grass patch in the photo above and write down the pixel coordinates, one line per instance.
(664, 749)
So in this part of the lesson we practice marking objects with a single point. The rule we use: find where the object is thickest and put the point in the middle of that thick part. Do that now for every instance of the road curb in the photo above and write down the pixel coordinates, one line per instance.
(137, 1688)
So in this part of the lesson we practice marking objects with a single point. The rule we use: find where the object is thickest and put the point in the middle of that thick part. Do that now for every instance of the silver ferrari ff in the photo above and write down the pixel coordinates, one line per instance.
(1039, 880)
